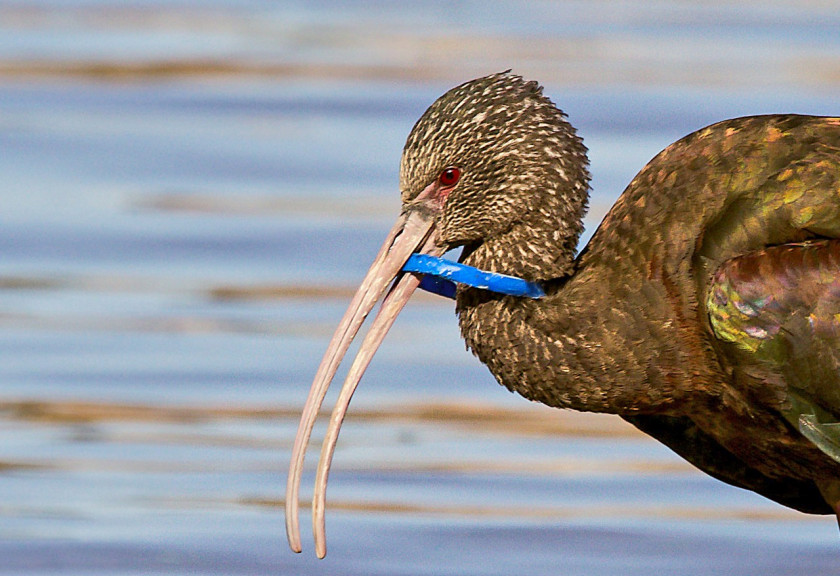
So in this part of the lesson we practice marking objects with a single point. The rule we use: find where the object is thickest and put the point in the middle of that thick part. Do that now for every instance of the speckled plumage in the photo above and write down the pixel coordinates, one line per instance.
(706, 308)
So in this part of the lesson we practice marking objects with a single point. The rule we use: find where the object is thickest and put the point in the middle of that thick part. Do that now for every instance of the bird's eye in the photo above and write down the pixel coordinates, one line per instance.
(449, 177)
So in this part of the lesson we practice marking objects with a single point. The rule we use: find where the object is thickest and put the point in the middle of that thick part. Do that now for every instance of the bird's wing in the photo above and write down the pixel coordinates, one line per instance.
(776, 314)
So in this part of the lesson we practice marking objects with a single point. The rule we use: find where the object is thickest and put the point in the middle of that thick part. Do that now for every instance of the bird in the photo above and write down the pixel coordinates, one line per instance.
(704, 310)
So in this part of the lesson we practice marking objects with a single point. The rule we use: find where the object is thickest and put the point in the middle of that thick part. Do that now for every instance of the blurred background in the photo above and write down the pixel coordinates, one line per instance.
(189, 193)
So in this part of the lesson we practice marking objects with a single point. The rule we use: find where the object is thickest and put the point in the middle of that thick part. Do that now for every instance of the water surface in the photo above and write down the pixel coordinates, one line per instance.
(190, 191)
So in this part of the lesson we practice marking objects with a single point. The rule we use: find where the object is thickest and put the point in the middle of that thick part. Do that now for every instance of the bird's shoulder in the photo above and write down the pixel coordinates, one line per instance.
(730, 188)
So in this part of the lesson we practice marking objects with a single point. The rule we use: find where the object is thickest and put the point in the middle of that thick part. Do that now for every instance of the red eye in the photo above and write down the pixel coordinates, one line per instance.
(449, 177)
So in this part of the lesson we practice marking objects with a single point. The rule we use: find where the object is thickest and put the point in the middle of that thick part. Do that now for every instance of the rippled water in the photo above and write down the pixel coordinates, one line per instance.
(190, 191)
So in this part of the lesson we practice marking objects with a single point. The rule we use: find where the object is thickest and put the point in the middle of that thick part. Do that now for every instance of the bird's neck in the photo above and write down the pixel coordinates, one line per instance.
(571, 349)
(563, 351)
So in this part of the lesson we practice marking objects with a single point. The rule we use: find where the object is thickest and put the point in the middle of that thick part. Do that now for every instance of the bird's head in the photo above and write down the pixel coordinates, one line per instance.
(492, 166)
(489, 155)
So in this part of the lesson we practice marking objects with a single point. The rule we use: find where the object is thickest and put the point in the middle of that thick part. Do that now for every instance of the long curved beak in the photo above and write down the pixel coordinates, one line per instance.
(413, 232)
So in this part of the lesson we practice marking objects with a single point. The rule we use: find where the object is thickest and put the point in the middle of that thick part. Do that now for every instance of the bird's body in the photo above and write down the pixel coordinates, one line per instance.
(705, 310)
(657, 323)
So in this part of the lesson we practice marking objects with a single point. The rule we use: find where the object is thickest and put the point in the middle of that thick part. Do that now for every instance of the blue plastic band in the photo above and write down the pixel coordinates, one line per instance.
(437, 285)
(442, 275)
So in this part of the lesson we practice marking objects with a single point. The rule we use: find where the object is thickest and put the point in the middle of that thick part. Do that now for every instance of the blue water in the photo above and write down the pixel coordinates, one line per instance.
(189, 193)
